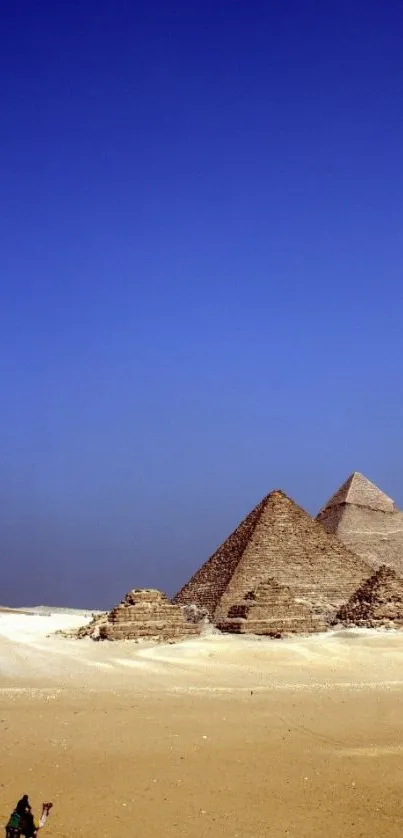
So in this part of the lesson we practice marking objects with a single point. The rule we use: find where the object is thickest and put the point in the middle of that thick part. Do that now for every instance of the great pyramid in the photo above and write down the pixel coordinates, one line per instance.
(378, 602)
(271, 610)
(277, 539)
(367, 520)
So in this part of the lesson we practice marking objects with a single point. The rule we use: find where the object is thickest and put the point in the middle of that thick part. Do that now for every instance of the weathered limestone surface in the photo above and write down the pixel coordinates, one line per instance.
(377, 603)
(271, 610)
(147, 614)
(367, 521)
(277, 540)
(142, 614)
(91, 629)
(359, 491)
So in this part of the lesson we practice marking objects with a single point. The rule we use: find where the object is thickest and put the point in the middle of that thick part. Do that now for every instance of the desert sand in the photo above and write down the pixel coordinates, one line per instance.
(218, 736)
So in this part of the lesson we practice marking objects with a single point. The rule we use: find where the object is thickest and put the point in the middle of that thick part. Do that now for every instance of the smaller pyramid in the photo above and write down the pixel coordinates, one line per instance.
(377, 603)
(143, 614)
(359, 491)
(271, 610)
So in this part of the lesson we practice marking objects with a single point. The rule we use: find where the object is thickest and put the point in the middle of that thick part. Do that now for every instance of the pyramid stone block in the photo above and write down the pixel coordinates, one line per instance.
(377, 603)
(271, 610)
(142, 614)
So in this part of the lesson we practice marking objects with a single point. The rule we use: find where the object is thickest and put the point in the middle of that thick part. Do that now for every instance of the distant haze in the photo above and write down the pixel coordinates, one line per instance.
(200, 278)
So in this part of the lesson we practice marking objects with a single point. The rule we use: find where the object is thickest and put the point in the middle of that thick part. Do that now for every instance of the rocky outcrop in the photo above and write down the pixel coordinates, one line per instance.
(144, 614)
(378, 603)
(91, 629)
(277, 540)
(271, 610)
(367, 521)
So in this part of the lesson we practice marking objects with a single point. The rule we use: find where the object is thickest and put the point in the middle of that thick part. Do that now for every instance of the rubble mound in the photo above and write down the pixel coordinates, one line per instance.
(144, 614)
(377, 603)
(271, 609)
(90, 629)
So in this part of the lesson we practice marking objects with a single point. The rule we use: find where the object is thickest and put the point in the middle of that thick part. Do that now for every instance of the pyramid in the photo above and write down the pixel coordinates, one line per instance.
(359, 491)
(367, 521)
(378, 602)
(271, 610)
(277, 539)
(142, 614)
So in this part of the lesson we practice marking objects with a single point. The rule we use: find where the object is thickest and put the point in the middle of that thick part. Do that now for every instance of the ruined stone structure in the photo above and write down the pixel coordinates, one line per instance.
(90, 629)
(142, 614)
(276, 540)
(271, 609)
(377, 603)
(367, 521)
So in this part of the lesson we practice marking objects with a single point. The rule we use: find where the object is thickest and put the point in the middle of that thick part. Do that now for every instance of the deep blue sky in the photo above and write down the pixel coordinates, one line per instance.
(201, 277)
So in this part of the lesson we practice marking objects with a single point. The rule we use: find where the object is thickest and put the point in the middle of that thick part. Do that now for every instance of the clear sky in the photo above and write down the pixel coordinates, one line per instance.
(200, 277)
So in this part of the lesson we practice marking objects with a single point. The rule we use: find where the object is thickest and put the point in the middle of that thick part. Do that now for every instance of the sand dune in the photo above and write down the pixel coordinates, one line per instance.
(31, 649)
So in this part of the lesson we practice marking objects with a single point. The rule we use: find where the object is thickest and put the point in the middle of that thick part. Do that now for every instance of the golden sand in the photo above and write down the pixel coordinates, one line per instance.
(219, 737)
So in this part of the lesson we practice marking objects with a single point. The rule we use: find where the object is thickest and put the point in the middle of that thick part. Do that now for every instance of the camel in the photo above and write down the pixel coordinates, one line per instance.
(23, 825)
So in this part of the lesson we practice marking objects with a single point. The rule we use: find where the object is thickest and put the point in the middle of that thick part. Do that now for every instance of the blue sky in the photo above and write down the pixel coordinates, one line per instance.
(200, 277)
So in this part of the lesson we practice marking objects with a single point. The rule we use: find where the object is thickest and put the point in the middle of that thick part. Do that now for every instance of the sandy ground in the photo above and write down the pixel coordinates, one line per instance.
(219, 736)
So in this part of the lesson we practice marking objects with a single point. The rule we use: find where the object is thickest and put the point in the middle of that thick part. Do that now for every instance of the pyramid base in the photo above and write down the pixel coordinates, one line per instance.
(272, 627)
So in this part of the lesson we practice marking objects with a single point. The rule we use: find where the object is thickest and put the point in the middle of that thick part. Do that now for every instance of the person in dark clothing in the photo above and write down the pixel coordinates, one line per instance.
(23, 805)
(16, 822)
(28, 826)
(22, 821)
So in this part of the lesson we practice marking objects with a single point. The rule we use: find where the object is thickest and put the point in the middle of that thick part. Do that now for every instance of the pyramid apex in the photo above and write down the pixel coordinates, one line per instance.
(359, 491)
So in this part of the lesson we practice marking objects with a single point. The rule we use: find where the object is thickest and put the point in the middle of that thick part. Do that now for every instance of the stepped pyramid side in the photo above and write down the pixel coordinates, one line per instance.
(142, 614)
(378, 602)
(271, 610)
(367, 521)
(208, 584)
(283, 542)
